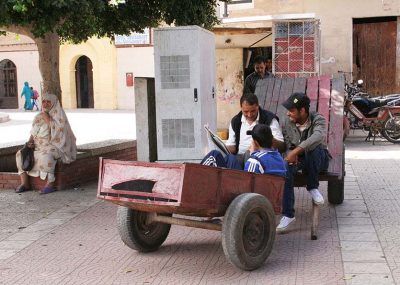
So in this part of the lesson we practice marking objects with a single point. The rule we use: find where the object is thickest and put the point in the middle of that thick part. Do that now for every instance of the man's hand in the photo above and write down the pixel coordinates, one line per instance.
(278, 145)
(292, 156)
(231, 148)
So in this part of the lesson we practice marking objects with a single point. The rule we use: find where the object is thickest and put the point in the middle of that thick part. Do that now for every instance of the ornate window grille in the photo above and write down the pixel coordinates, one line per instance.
(296, 48)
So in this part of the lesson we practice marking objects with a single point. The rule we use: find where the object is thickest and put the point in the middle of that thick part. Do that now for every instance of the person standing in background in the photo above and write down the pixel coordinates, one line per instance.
(260, 73)
(27, 93)
(35, 96)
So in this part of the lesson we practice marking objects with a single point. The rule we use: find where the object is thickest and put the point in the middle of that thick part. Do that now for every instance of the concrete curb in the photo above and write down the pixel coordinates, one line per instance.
(4, 117)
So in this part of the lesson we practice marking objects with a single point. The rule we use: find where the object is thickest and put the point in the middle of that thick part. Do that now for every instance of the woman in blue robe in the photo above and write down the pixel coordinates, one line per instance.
(27, 93)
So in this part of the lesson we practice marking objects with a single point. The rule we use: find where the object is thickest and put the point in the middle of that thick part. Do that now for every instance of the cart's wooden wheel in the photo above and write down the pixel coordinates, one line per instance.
(248, 231)
(136, 233)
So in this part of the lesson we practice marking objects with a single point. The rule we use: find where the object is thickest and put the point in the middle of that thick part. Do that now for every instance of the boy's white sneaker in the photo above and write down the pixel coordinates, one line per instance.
(317, 196)
(284, 223)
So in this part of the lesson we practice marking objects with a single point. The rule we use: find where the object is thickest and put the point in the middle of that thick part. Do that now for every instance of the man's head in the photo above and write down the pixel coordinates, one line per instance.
(260, 65)
(249, 106)
(261, 135)
(298, 106)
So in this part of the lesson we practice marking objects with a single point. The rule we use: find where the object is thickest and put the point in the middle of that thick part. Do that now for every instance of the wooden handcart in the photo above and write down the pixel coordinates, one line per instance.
(151, 194)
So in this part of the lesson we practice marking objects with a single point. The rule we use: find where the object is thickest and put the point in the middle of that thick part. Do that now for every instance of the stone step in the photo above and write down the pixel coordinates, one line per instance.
(4, 117)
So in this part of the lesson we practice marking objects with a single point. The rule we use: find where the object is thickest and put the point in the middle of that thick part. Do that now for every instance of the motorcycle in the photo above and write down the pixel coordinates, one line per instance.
(378, 116)
(368, 106)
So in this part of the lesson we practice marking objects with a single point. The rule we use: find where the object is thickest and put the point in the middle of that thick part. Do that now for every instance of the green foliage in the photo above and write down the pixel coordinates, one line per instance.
(188, 12)
(77, 20)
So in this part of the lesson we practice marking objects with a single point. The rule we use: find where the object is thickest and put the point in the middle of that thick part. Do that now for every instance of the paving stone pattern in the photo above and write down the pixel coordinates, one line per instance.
(86, 249)
(69, 237)
(369, 223)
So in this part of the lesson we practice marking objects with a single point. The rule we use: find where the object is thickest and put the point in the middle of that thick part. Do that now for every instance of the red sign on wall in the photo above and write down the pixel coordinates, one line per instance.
(129, 79)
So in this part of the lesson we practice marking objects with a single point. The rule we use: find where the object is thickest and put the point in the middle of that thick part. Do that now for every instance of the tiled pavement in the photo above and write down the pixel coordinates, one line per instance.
(87, 250)
(358, 240)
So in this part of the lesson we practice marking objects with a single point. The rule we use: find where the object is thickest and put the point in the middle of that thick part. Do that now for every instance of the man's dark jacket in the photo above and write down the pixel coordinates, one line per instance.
(236, 122)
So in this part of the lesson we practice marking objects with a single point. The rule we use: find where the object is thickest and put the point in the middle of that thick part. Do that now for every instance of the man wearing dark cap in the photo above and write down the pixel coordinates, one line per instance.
(306, 150)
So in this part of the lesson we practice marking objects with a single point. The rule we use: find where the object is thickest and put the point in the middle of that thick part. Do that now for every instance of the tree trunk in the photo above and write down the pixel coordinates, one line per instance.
(49, 63)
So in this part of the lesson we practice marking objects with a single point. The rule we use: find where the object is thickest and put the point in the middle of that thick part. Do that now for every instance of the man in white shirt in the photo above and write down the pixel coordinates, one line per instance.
(250, 115)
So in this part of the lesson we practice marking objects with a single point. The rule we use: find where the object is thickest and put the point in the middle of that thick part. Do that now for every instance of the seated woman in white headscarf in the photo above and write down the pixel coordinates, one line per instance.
(52, 139)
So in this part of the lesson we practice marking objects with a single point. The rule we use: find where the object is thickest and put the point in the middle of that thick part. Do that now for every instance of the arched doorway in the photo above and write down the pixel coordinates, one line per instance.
(8, 85)
(84, 82)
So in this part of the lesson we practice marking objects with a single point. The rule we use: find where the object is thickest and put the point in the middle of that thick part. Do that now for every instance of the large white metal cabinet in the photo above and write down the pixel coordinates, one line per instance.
(184, 60)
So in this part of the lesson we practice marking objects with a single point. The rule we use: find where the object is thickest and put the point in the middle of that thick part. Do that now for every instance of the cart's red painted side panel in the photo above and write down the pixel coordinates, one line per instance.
(189, 189)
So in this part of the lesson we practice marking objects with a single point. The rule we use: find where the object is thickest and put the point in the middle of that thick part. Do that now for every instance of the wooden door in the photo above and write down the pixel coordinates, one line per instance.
(8, 85)
(84, 83)
(374, 54)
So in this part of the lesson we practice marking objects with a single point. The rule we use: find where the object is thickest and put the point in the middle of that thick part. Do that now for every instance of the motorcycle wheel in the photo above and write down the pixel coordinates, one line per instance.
(391, 129)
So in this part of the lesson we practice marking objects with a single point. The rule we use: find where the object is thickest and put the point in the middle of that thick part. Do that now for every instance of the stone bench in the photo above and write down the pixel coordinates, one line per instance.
(84, 169)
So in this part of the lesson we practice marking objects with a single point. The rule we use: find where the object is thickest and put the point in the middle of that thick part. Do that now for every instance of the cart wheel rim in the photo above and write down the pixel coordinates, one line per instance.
(255, 232)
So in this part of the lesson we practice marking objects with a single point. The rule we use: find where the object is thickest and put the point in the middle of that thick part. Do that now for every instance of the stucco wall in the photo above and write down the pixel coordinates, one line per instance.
(229, 84)
(27, 64)
(139, 61)
(336, 23)
(102, 54)
(337, 27)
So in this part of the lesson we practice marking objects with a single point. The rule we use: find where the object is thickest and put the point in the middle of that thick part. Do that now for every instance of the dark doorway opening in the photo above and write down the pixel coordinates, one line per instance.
(374, 54)
(84, 82)
(8, 85)
(249, 54)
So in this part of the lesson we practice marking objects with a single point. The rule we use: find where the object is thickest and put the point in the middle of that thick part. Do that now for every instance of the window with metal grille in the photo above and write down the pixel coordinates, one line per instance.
(296, 48)
(8, 79)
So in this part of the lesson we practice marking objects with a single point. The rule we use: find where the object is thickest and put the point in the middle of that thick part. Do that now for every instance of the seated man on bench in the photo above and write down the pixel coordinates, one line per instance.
(305, 138)
(263, 159)
(250, 115)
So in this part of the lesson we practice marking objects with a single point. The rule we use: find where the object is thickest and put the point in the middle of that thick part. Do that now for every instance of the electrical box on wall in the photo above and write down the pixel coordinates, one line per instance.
(185, 91)
(129, 79)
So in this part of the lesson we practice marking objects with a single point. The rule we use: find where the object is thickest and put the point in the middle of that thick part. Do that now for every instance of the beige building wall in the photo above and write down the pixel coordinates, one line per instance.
(229, 84)
(110, 65)
(136, 60)
(102, 54)
(336, 23)
(336, 39)
(22, 51)
(27, 63)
